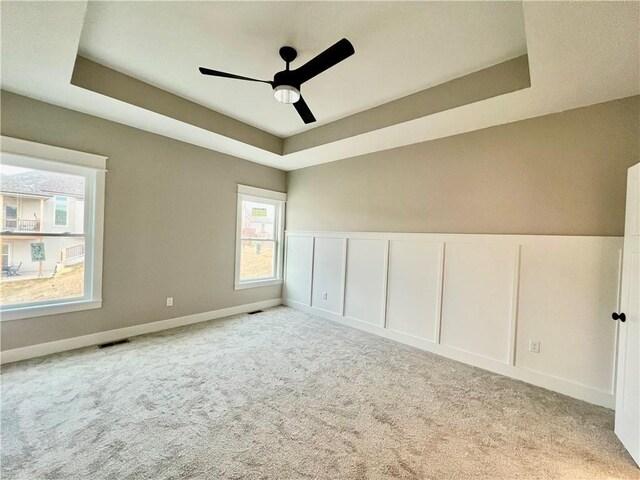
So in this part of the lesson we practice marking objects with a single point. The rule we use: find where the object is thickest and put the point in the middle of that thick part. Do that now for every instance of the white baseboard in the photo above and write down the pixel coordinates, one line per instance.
(560, 385)
(48, 348)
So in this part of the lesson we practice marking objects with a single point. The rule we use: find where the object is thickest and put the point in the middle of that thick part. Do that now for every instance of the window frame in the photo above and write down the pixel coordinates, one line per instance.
(65, 202)
(93, 168)
(270, 197)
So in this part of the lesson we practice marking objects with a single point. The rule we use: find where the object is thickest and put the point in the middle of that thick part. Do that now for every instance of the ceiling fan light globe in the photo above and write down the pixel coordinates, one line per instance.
(286, 94)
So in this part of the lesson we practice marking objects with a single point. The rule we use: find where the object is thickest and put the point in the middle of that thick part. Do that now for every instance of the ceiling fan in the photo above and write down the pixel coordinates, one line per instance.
(286, 84)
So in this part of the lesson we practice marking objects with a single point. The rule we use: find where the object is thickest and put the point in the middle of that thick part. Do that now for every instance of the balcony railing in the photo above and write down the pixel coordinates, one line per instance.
(67, 254)
(20, 225)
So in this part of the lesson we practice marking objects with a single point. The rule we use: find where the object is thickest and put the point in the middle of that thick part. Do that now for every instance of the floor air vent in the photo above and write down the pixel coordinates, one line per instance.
(113, 344)
(254, 312)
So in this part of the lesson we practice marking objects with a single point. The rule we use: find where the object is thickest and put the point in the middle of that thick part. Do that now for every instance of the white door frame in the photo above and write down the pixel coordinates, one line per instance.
(627, 424)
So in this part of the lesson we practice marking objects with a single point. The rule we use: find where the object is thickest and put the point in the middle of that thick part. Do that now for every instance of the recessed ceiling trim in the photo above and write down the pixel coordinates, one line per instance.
(97, 78)
(505, 77)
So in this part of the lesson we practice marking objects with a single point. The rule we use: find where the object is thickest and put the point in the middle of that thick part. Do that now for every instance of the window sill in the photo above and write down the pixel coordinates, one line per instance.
(258, 283)
(19, 313)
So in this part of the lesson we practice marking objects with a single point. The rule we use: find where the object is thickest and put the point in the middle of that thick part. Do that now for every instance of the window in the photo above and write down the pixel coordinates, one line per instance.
(60, 211)
(10, 216)
(11, 211)
(260, 229)
(47, 270)
(6, 255)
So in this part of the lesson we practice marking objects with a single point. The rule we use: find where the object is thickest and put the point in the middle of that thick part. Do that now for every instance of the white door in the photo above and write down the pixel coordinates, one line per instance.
(628, 376)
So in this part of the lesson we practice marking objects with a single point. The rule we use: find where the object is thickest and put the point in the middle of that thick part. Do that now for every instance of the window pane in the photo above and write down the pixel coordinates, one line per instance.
(258, 220)
(43, 243)
(61, 209)
(10, 211)
(61, 214)
(257, 259)
(5, 254)
(37, 269)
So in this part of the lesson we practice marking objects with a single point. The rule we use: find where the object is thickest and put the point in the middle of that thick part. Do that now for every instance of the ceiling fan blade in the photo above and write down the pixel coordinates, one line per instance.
(216, 73)
(304, 112)
(325, 60)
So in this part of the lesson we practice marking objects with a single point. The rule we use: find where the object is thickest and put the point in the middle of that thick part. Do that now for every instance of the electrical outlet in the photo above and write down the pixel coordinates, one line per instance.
(324, 295)
(169, 301)
(534, 346)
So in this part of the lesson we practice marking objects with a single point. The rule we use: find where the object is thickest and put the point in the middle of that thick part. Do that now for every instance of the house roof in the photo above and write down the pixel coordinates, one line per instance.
(43, 184)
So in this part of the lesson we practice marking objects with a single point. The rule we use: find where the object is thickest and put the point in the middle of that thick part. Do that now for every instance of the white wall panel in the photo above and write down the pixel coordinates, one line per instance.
(299, 269)
(413, 297)
(493, 294)
(477, 298)
(328, 280)
(568, 289)
(365, 284)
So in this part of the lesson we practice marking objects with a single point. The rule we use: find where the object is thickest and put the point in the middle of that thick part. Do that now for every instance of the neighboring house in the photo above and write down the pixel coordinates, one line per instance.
(258, 221)
(35, 202)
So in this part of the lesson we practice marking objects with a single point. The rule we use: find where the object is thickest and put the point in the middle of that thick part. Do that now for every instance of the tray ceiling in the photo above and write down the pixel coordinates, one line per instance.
(401, 48)
(579, 54)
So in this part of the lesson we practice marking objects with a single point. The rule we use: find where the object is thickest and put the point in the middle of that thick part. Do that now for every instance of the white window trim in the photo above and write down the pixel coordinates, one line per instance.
(262, 192)
(263, 196)
(94, 166)
(56, 201)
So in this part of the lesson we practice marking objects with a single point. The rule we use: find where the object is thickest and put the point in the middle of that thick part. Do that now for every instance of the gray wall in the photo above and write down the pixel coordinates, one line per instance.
(562, 174)
(170, 206)
(169, 222)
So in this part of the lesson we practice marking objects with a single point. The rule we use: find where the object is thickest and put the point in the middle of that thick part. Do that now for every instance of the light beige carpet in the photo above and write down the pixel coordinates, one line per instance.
(285, 395)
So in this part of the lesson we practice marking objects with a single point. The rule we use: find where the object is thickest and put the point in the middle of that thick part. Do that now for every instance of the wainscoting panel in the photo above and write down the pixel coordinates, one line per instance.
(568, 290)
(328, 274)
(365, 283)
(298, 269)
(477, 298)
(414, 291)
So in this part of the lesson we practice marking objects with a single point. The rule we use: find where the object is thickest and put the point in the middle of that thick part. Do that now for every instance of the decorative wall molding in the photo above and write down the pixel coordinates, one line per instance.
(48, 348)
(503, 290)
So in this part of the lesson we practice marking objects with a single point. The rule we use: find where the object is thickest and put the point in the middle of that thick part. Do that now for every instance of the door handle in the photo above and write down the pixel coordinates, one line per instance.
(619, 316)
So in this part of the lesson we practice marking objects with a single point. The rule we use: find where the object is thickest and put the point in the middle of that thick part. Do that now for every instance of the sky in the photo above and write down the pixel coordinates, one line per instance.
(11, 170)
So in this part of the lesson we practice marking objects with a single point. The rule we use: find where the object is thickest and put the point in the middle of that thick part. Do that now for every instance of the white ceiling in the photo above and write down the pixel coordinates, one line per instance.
(401, 48)
(580, 53)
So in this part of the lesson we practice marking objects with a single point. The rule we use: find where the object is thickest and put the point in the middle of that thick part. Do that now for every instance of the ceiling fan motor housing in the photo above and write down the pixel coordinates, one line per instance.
(286, 89)
(286, 77)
